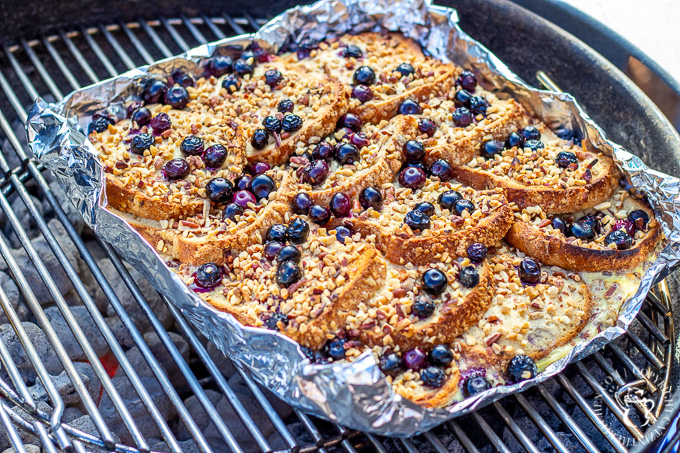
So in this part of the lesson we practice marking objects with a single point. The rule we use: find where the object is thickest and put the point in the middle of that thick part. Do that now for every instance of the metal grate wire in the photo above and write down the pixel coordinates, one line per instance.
(56, 64)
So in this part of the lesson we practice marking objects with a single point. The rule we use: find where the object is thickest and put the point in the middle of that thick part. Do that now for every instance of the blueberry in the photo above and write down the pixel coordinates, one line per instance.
(639, 218)
(335, 349)
(260, 168)
(351, 121)
(277, 233)
(243, 182)
(423, 306)
(242, 67)
(530, 133)
(352, 51)
(342, 232)
(177, 97)
(559, 224)
(477, 252)
(405, 69)
(363, 93)
(478, 105)
(441, 169)
(231, 211)
(231, 83)
(289, 253)
(140, 143)
(273, 77)
(99, 124)
(413, 151)
(191, 145)
(243, 197)
(468, 277)
(364, 76)
(622, 239)
(462, 98)
(141, 116)
(184, 79)
(359, 140)
(301, 203)
(291, 123)
(346, 153)
(433, 377)
(434, 282)
(262, 185)
(534, 145)
(417, 220)
(415, 359)
(467, 80)
(582, 230)
(208, 276)
(492, 148)
(418, 165)
(319, 214)
(215, 156)
(462, 117)
(272, 124)
(297, 231)
(448, 199)
(176, 169)
(412, 177)
(522, 367)
(476, 384)
(219, 190)
(340, 205)
(315, 173)
(464, 205)
(271, 249)
(285, 106)
(391, 364)
(514, 141)
(409, 107)
(529, 270)
(259, 139)
(565, 159)
(272, 322)
(426, 208)
(593, 221)
(427, 126)
(155, 91)
(371, 197)
(288, 273)
(323, 150)
(441, 355)
(220, 65)
(161, 123)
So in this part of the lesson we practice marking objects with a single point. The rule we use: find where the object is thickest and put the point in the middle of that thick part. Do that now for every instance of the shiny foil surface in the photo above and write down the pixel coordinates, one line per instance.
(352, 394)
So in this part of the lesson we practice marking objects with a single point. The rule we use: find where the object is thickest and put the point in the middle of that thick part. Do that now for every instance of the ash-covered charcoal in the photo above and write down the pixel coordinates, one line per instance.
(18, 354)
(68, 339)
(25, 218)
(65, 202)
(14, 296)
(86, 425)
(65, 386)
(161, 353)
(26, 437)
(186, 446)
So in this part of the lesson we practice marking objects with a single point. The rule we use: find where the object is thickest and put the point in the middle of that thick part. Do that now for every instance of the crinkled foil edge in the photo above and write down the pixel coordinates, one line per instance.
(352, 394)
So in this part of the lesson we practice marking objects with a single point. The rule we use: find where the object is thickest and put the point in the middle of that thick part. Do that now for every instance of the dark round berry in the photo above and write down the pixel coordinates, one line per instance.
(415, 359)
(478, 105)
(260, 168)
(409, 107)
(417, 220)
(319, 214)
(468, 277)
(243, 197)
(346, 153)
(476, 384)
(492, 148)
(391, 364)
(529, 270)
(208, 276)
(426, 208)
(176, 169)
(289, 253)
(177, 97)
(184, 79)
(364, 76)
(271, 249)
(593, 221)
(301, 203)
(231, 211)
(242, 67)
(219, 190)
(639, 218)
(335, 349)
(359, 140)
(413, 151)
(423, 306)
(441, 355)
(273, 77)
(522, 367)
(371, 197)
(441, 169)
(272, 124)
(405, 69)
(323, 150)
(155, 91)
(412, 177)
(192, 145)
(291, 123)
(514, 141)
(342, 232)
(140, 143)
(534, 145)
(161, 123)
(363, 93)
(315, 173)
(248, 54)
(559, 224)
(418, 165)
(462, 117)
(530, 133)
(340, 205)
(433, 377)
(582, 230)
(243, 182)
(467, 80)
(476, 251)
(288, 273)
(259, 139)
(462, 98)
(231, 83)
(351, 121)
(215, 156)
(99, 124)
(285, 106)
(427, 126)
(434, 282)
(297, 231)
(448, 199)
(464, 205)
(620, 238)
(272, 322)
(262, 185)
(352, 51)
(565, 159)
(220, 65)
(277, 233)
(141, 116)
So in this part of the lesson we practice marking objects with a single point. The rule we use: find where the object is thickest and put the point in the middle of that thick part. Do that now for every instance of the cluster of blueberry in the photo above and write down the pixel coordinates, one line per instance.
(246, 189)
(236, 69)
(430, 366)
(467, 105)
(339, 207)
(529, 137)
(589, 226)
(418, 219)
(287, 256)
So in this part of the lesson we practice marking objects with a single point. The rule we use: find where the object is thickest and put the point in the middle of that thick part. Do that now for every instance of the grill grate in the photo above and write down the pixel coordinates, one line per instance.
(584, 407)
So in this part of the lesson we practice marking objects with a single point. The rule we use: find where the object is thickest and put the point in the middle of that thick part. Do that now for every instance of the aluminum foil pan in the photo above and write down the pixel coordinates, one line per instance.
(354, 395)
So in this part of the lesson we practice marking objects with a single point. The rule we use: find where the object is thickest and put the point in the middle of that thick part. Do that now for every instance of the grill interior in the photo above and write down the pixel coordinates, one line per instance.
(94, 360)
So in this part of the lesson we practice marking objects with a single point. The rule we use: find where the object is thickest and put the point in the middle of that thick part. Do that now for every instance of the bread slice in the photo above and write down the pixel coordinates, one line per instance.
(533, 178)
(534, 235)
